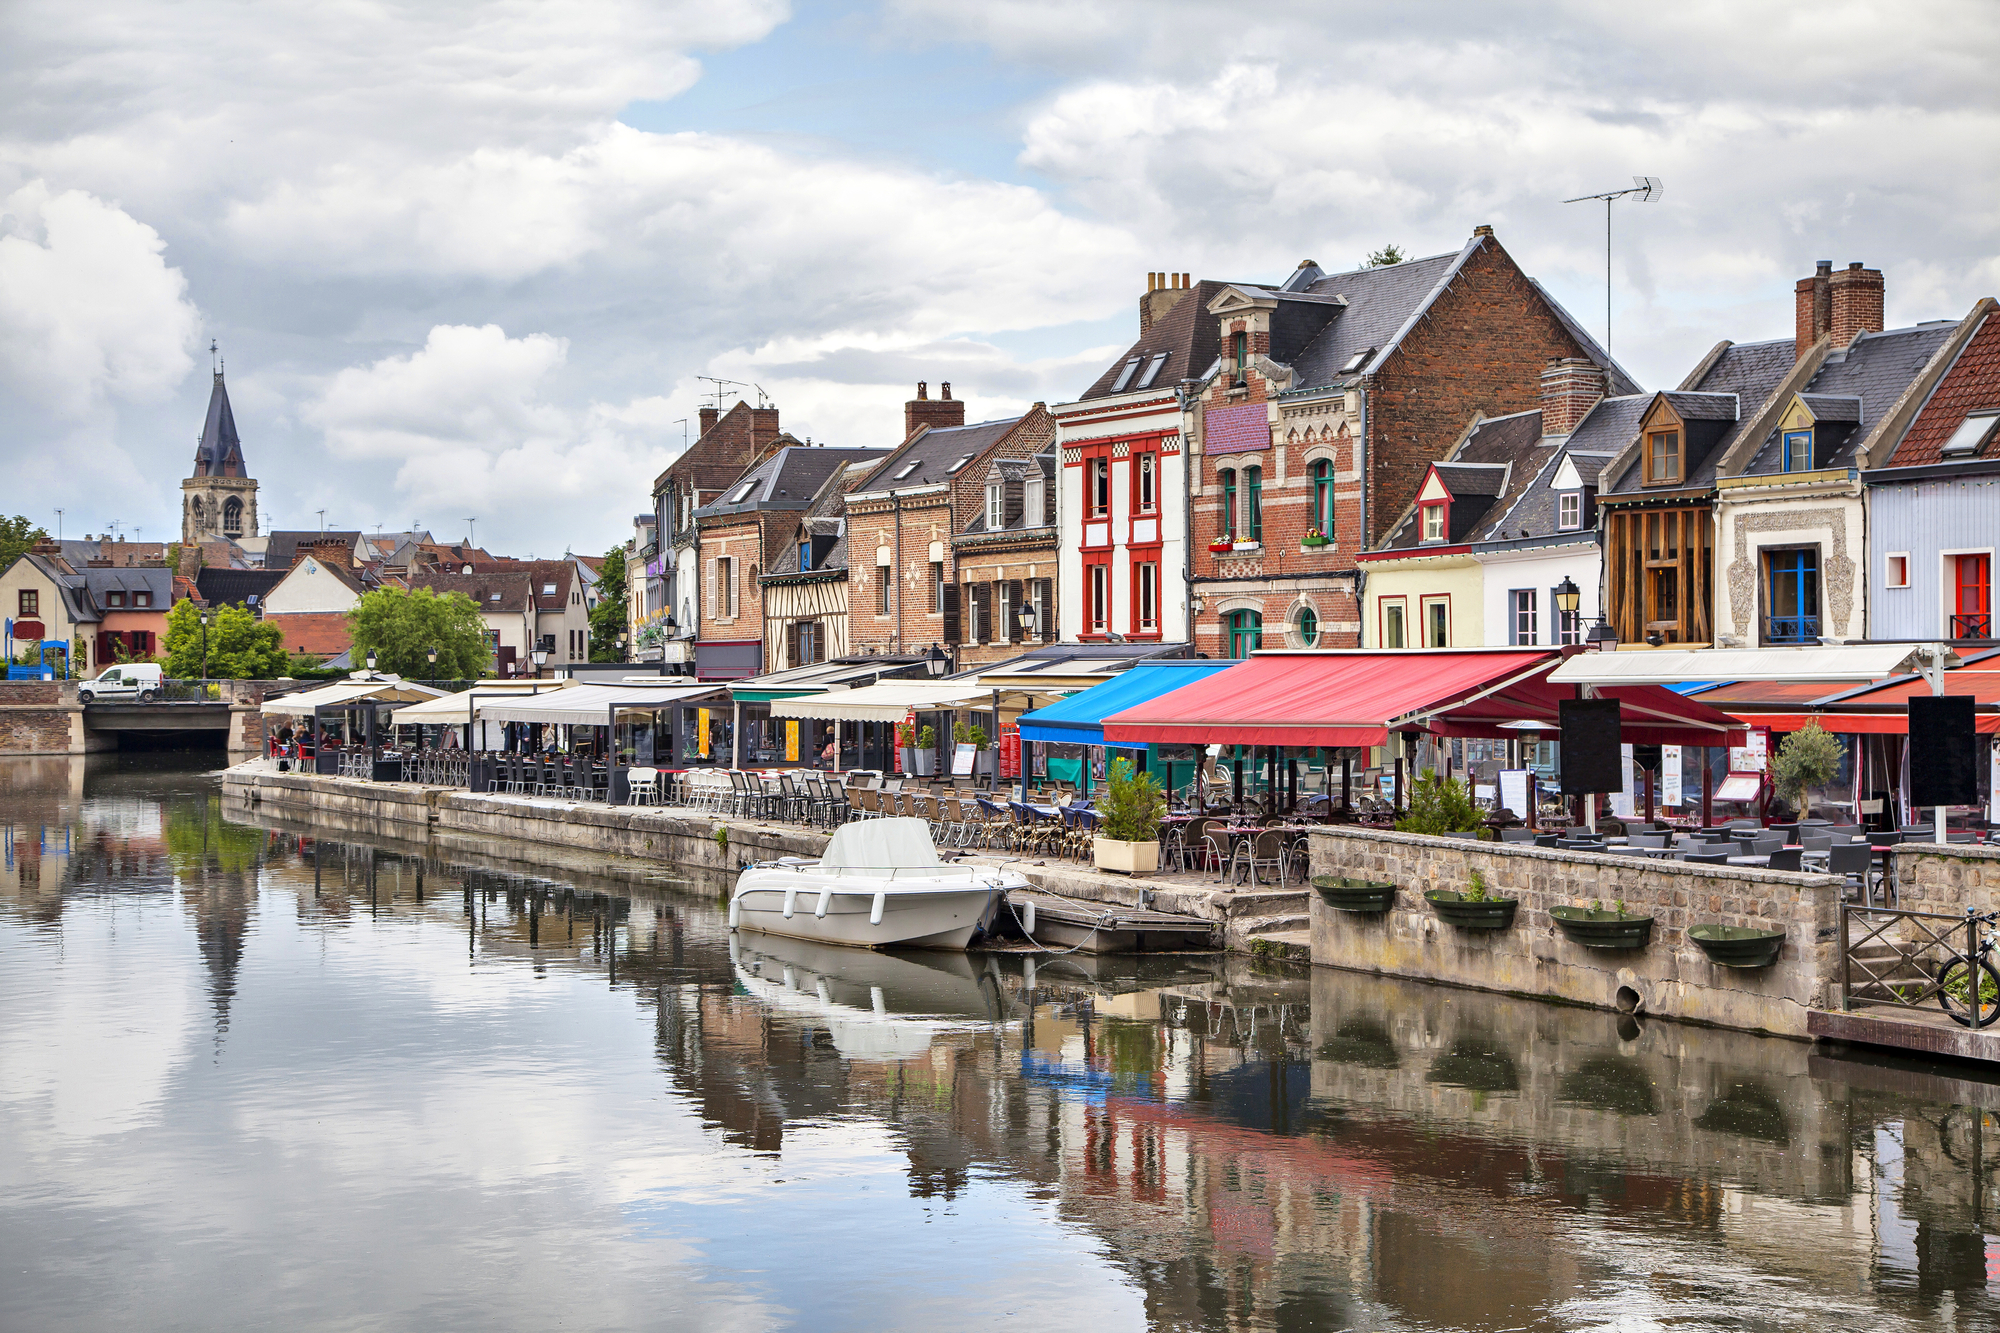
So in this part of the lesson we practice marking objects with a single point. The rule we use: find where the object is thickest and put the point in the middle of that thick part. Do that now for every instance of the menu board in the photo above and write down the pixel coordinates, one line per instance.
(1670, 775)
(1514, 788)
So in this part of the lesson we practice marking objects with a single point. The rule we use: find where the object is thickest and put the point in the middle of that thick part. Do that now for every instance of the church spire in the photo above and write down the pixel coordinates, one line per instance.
(220, 453)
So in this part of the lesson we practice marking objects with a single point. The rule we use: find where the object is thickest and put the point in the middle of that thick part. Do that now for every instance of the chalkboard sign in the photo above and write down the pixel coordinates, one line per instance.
(961, 761)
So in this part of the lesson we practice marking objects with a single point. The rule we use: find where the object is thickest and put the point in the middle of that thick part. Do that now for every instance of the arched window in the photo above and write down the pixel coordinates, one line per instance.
(1307, 627)
(1253, 506)
(1321, 473)
(1246, 632)
(232, 516)
(1227, 527)
(194, 509)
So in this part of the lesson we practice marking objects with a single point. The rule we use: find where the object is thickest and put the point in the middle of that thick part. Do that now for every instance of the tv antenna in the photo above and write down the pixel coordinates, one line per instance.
(1646, 189)
(763, 399)
(722, 387)
(683, 424)
(59, 518)
(322, 521)
(469, 528)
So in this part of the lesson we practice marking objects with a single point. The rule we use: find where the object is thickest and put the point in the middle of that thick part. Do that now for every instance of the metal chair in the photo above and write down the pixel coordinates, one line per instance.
(1783, 858)
(642, 786)
(1854, 862)
(1261, 851)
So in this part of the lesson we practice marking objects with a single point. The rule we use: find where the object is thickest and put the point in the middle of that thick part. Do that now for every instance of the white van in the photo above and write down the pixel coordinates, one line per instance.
(136, 680)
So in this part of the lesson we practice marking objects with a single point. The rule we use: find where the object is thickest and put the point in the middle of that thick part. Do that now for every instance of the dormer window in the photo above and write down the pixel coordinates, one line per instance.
(1432, 517)
(1034, 503)
(115, 599)
(1152, 370)
(1569, 511)
(142, 599)
(805, 555)
(1972, 435)
(1663, 457)
(995, 516)
(1798, 451)
(1125, 375)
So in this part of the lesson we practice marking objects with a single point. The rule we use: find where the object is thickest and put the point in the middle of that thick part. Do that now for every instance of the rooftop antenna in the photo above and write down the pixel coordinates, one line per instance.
(1647, 188)
(469, 530)
(763, 399)
(720, 387)
(322, 521)
(683, 424)
(59, 514)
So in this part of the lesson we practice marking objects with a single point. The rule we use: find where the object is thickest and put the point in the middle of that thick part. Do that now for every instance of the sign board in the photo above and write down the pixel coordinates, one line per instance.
(701, 730)
(1670, 775)
(1944, 743)
(1621, 800)
(1515, 784)
(1740, 787)
(791, 740)
(1749, 757)
(961, 760)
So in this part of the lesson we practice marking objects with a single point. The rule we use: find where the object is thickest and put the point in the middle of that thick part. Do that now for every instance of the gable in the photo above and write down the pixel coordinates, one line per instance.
(1567, 478)
(1434, 490)
(1797, 416)
(1661, 416)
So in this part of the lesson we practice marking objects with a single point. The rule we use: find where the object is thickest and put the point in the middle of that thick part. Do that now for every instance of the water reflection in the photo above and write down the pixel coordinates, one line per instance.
(413, 1085)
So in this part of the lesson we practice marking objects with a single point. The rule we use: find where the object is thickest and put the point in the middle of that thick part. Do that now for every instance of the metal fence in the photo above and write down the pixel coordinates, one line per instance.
(1893, 957)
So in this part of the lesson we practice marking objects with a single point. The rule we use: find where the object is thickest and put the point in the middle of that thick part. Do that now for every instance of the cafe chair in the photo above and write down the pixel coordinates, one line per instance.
(642, 786)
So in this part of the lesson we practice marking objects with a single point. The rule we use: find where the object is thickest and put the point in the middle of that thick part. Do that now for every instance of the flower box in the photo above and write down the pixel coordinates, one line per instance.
(1595, 929)
(1248, 546)
(1355, 895)
(1313, 543)
(1472, 914)
(1134, 858)
(1221, 544)
(1737, 946)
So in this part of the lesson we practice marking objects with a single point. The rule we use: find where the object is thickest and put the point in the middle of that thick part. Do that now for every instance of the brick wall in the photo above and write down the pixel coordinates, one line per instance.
(747, 541)
(912, 621)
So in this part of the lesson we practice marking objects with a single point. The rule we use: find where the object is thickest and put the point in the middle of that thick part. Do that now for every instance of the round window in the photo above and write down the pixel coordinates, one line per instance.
(1308, 627)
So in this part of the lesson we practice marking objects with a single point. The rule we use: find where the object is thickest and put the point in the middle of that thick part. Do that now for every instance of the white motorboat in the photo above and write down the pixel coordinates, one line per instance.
(875, 1006)
(880, 882)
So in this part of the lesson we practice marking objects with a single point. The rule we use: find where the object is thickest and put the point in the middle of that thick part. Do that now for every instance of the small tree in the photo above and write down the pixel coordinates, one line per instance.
(1807, 758)
(1388, 255)
(1439, 805)
(240, 647)
(607, 618)
(1132, 805)
(967, 734)
(17, 535)
(403, 625)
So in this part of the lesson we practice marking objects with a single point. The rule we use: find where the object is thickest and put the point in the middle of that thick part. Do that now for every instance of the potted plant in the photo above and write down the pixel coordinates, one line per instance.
(1313, 537)
(1355, 895)
(906, 745)
(1474, 909)
(1806, 760)
(1737, 946)
(1222, 544)
(1440, 805)
(967, 734)
(926, 752)
(1595, 928)
(1128, 821)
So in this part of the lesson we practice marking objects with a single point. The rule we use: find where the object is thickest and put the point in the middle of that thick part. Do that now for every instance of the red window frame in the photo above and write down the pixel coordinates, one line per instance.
(1972, 596)
(1096, 598)
(1147, 557)
(1140, 459)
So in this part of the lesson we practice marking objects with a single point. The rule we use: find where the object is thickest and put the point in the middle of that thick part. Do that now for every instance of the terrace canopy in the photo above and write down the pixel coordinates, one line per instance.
(1079, 719)
(890, 701)
(340, 693)
(455, 710)
(1844, 662)
(590, 705)
(1321, 698)
(1880, 709)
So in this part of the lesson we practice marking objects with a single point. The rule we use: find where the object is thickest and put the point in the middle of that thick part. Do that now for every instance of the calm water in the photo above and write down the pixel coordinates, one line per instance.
(254, 1077)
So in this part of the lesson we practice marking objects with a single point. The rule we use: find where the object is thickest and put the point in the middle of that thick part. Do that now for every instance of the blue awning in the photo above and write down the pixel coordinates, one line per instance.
(1079, 719)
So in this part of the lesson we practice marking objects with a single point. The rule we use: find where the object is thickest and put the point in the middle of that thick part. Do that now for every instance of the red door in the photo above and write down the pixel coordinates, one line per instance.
(1974, 616)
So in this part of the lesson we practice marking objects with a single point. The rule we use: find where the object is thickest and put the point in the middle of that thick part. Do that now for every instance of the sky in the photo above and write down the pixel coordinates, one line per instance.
(467, 263)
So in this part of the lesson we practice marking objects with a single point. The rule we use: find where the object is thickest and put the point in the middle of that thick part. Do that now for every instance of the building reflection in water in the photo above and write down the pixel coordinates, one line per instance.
(1254, 1146)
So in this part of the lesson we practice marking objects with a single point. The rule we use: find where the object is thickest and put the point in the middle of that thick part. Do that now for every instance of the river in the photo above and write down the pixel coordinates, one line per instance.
(260, 1074)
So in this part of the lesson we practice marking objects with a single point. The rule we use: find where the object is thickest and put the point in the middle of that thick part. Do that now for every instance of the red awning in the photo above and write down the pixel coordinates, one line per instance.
(1358, 698)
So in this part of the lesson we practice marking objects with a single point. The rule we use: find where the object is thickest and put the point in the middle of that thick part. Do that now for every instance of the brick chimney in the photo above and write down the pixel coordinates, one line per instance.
(1163, 293)
(937, 413)
(332, 552)
(1856, 298)
(1570, 385)
(706, 424)
(1812, 304)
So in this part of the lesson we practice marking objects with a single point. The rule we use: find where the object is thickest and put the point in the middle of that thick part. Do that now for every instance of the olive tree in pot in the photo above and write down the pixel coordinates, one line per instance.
(1439, 805)
(1128, 821)
(1806, 761)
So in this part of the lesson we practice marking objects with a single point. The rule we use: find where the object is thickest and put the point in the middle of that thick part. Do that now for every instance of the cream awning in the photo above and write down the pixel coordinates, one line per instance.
(389, 691)
(591, 705)
(452, 710)
(1853, 661)
(890, 701)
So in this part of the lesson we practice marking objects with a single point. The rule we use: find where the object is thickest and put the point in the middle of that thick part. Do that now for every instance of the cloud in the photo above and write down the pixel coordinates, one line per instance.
(88, 307)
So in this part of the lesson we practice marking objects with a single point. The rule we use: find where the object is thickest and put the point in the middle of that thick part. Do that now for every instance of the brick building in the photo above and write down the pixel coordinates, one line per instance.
(1006, 559)
(904, 580)
(805, 598)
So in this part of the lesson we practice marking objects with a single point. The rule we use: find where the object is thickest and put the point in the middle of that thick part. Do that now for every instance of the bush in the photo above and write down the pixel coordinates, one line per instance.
(927, 737)
(1806, 758)
(1132, 805)
(967, 734)
(1439, 805)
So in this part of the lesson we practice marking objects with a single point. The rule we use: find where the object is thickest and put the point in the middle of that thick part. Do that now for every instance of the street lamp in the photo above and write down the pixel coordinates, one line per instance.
(936, 662)
(541, 656)
(204, 643)
(371, 659)
(1027, 620)
(432, 654)
(621, 645)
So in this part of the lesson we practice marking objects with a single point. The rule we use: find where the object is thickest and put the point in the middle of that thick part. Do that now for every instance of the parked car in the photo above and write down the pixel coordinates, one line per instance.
(135, 680)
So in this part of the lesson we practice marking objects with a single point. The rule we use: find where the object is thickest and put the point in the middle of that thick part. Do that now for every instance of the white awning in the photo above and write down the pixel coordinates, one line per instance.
(889, 701)
(388, 691)
(452, 710)
(590, 705)
(1854, 661)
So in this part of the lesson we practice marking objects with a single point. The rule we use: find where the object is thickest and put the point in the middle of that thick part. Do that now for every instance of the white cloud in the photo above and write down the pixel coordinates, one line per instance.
(88, 308)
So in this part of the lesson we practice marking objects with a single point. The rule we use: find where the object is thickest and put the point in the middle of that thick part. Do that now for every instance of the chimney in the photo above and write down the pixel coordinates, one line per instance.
(1482, 230)
(1570, 385)
(937, 413)
(1163, 292)
(1856, 303)
(763, 430)
(1812, 308)
(707, 420)
(333, 552)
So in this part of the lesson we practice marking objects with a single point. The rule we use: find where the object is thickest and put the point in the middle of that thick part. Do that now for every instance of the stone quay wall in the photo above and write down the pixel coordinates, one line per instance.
(42, 717)
(1670, 977)
(1946, 878)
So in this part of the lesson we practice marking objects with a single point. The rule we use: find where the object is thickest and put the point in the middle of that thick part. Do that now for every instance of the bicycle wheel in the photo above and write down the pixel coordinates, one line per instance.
(1955, 991)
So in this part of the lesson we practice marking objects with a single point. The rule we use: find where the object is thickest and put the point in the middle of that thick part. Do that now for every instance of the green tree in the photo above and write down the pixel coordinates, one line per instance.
(403, 625)
(607, 618)
(1387, 255)
(1439, 805)
(240, 647)
(16, 536)
(1809, 757)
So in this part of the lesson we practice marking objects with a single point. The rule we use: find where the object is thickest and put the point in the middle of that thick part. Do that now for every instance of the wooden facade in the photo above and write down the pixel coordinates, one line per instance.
(1659, 565)
(805, 618)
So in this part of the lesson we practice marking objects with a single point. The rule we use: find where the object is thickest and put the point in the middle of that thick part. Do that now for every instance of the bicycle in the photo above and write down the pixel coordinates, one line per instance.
(1961, 972)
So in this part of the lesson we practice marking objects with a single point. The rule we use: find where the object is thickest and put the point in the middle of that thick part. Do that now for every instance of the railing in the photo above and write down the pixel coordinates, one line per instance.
(1791, 629)
(1901, 970)
(1976, 626)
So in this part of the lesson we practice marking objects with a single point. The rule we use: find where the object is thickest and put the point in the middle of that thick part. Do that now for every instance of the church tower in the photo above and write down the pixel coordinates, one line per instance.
(220, 499)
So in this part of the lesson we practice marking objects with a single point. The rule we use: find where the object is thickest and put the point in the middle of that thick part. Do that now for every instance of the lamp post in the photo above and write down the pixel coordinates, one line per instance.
(1027, 620)
(541, 656)
(204, 650)
(432, 655)
(371, 661)
(621, 645)
(1602, 637)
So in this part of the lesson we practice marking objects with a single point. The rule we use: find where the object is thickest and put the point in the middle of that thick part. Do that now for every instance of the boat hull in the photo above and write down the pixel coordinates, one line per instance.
(926, 913)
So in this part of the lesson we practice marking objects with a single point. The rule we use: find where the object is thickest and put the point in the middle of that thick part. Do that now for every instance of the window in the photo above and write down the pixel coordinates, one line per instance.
(1149, 499)
(1568, 624)
(1246, 632)
(1437, 622)
(31, 602)
(1148, 581)
(1100, 485)
(1663, 457)
(1433, 523)
(962, 461)
(1100, 596)
(1971, 435)
(142, 599)
(1791, 595)
(548, 590)
(937, 587)
(803, 645)
(1896, 571)
(906, 469)
(742, 492)
(1125, 375)
(1321, 474)
(1239, 346)
(995, 519)
(1308, 627)
(1152, 370)
(1253, 499)
(1034, 503)
(1521, 608)
(232, 517)
(1393, 632)
(1355, 362)
(1569, 511)
(1972, 596)
(881, 590)
(1228, 476)
(1798, 448)
(114, 599)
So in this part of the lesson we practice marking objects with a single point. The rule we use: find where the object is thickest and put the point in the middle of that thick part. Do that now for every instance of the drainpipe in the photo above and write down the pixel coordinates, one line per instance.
(1187, 510)
(896, 577)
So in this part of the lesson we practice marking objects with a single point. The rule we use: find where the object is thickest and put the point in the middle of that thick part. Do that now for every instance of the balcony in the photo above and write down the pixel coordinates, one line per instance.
(1791, 629)
(1975, 626)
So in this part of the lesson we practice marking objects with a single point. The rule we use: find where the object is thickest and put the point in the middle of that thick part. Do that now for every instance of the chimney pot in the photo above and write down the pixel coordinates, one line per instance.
(945, 390)
(1482, 230)
(923, 390)
(1855, 264)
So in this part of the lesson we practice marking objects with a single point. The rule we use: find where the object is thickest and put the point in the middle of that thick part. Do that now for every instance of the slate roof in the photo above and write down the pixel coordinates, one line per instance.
(934, 451)
(1972, 384)
(235, 587)
(1751, 371)
(788, 479)
(1187, 333)
(514, 589)
(102, 582)
(1877, 368)
(220, 453)
(281, 550)
(1380, 301)
(1705, 406)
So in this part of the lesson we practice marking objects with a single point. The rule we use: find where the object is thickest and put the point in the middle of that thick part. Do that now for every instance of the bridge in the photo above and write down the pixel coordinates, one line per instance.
(47, 717)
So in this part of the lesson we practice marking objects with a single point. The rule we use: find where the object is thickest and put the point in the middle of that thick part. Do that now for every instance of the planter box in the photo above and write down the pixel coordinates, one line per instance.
(1355, 895)
(1134, 858)
(926, 763)
(1458, 910)
(1737, 946)
(1247, 546)
(1603, 930)
(1309, 545)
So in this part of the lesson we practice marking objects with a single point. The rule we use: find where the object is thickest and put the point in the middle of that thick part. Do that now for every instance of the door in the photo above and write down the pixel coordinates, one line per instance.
(1972, 597)
(1792, 596)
